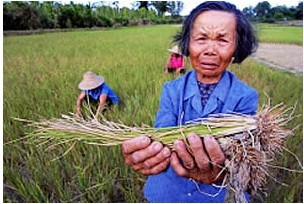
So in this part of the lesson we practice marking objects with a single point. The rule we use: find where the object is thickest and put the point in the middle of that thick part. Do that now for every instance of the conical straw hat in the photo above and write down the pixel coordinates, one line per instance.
(90, 81)
(175, 49)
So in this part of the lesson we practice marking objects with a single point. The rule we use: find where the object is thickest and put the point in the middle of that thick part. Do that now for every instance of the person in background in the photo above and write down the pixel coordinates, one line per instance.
(214, 35)
(175, 62)
(95, 91)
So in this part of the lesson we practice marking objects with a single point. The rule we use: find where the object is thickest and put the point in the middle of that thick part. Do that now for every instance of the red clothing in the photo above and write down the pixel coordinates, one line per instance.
(176, 61)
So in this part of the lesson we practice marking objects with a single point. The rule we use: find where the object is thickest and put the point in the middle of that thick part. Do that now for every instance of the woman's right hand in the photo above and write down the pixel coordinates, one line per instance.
(145, 156)
(78, 114)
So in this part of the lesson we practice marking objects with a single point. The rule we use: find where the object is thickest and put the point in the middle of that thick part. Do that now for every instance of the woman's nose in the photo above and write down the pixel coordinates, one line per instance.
(209, 48)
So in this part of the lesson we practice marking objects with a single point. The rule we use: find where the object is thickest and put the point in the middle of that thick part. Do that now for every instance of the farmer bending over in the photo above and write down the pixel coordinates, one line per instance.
(96, 91)
(214, 35)
(175, 62)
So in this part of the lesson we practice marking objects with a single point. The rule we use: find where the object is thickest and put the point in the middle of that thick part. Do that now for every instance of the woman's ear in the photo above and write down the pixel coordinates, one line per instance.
(232, 59)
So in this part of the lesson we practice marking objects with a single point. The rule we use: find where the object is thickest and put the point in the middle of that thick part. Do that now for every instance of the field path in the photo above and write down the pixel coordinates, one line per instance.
(281, 56)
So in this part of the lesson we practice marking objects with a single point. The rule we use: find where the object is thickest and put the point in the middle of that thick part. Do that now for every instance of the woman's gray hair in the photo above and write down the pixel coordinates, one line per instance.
(246, 39)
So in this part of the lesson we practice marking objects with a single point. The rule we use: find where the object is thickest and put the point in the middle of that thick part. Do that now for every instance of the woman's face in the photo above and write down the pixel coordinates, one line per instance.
(212, 44)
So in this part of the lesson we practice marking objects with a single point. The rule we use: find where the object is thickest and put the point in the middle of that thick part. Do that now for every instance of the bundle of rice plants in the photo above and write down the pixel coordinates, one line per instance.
(250, 143)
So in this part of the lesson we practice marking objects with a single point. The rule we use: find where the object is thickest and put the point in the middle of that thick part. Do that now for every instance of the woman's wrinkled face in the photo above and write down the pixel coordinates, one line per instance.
(212, 44)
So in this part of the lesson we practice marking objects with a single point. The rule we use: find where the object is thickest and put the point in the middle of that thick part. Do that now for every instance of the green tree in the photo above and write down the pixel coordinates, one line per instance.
(151, 14)
(65, 14)
(88, 18)
(249, 12)
(104, 15)
(175, 7)
(143, 4)
(262, 9)
(48, 16)
(299, 11)
(125, 12)
(282, 13)
(20, 16)
(143, 12)
(161, 7)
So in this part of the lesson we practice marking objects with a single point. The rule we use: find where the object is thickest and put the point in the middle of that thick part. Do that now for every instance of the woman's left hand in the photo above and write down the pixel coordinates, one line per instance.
(203, 164)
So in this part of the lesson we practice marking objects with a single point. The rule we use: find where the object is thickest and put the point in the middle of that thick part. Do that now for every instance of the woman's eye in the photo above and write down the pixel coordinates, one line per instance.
(223, 42)
(201, 39)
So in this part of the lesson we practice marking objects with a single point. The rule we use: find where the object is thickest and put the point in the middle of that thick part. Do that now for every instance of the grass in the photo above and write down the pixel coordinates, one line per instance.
(273, 33)
(41, 74)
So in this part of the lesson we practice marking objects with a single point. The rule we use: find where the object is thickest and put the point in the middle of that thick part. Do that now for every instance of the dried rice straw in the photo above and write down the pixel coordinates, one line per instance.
(249, 142)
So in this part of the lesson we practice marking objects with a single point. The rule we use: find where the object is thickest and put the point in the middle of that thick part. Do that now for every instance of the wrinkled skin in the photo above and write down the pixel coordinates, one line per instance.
(149, 158)
(204, 162)
(145, 156)
(212, 44)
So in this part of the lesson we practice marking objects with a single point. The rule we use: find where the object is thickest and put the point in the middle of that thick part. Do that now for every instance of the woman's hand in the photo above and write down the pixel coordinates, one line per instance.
(145, 156)
(203, 164)
(78, 113)
(78, 104)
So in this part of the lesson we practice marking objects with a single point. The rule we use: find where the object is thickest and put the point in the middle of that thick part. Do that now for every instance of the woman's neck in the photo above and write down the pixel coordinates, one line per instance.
(208, 79)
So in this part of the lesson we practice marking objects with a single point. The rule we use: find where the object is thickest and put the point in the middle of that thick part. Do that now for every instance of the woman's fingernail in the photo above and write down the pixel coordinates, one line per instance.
(144, 140)
(157, 146)
(166, 152)
(177, 144)
(192, 139)
(208, 138)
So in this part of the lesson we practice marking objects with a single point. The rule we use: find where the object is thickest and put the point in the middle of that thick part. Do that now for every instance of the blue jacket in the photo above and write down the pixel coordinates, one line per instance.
(182, 96)
(103, 89)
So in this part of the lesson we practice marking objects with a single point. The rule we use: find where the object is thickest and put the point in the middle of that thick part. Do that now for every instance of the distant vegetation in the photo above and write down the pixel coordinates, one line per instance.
(50, 14)
(263, 12)
(33, 15)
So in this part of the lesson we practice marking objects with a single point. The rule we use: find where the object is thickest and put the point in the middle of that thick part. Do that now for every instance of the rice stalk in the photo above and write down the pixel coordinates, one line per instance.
(250, 143)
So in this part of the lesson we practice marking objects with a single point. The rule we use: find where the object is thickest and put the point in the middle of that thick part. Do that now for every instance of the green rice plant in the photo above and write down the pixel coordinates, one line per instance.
(40, 77)
(273, 33)
(249, 142)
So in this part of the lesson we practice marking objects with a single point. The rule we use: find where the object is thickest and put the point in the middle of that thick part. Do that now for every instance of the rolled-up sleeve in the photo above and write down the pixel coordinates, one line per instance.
(166, 116)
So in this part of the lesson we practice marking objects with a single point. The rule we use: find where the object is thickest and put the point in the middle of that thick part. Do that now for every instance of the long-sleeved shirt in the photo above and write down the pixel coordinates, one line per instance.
(181, 102)
(103, 89)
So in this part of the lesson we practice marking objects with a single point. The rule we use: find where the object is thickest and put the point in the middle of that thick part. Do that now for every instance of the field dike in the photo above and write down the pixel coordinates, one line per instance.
(281, 56)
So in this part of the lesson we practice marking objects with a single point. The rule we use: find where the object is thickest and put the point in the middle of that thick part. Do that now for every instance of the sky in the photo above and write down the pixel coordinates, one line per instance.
(240, 4)
(189, 5)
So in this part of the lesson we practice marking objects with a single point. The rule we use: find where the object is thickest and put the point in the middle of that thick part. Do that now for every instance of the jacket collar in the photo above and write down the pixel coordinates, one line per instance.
(219, 93)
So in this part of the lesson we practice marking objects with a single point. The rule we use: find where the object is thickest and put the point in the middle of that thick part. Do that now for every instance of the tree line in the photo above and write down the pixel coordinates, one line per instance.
(264, 12)
(32, 15)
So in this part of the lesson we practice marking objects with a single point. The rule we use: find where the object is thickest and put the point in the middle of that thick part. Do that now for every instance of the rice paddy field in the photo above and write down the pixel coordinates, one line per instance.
(274, 33)
(40, 78)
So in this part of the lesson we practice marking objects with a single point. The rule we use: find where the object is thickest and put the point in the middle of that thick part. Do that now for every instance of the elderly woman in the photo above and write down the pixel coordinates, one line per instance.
(214, 35)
